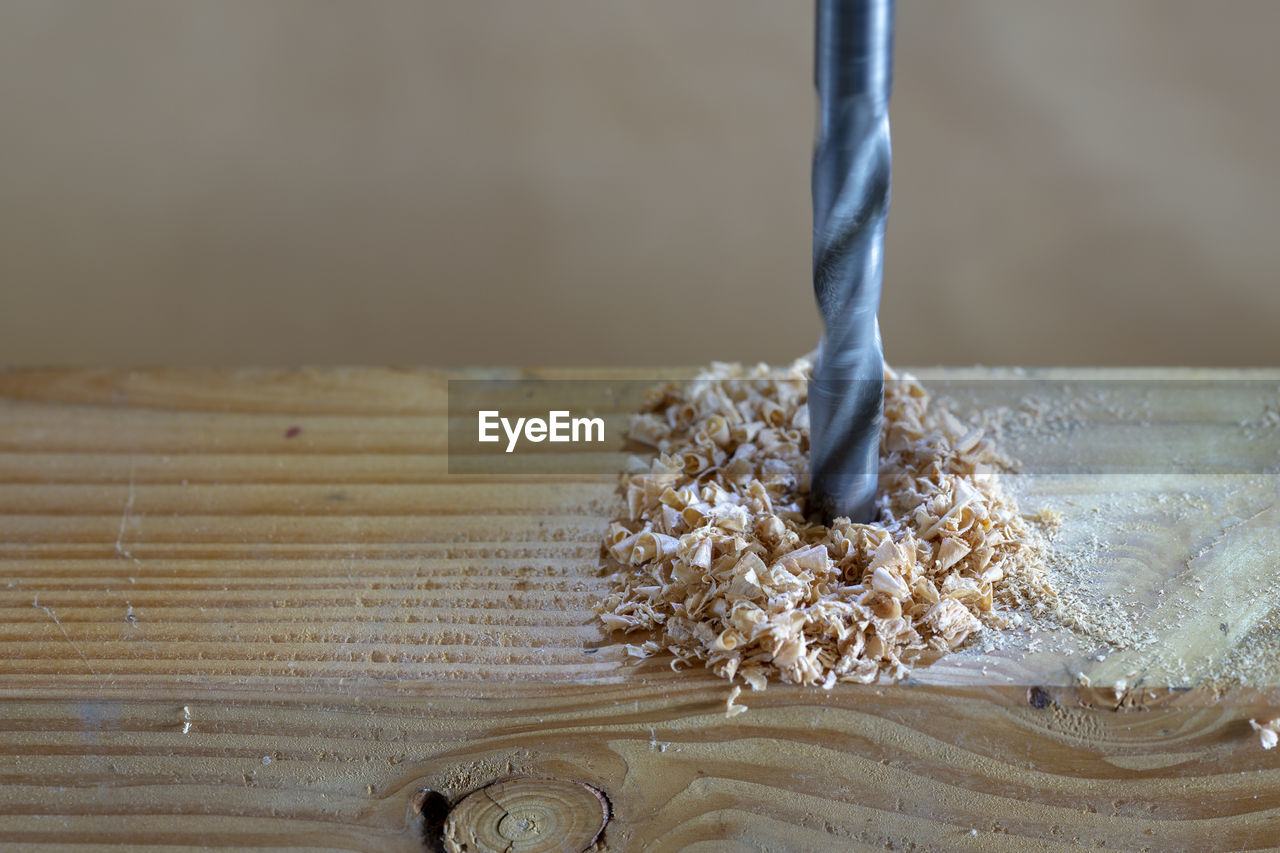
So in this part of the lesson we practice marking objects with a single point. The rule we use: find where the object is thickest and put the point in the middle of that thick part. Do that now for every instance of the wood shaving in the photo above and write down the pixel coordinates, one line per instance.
(731, 709)
(1269, 732)
(718, 560)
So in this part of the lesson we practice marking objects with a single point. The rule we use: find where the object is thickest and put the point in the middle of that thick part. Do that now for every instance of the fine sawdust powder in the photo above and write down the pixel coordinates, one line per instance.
(718, 560)
(1108, 621)
(1102, 614)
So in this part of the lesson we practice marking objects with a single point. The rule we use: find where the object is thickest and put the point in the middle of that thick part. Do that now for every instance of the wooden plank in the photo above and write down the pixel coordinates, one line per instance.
(252, 608)
(854, 769)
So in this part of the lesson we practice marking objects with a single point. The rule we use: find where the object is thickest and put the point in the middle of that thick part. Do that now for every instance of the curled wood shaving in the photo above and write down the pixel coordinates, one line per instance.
(718, 561)
(1268, 731)
(731, 709)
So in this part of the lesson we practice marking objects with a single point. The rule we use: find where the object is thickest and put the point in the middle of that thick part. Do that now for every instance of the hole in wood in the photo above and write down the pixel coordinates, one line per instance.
(433, 806)
(527, 814)
(1038, 697)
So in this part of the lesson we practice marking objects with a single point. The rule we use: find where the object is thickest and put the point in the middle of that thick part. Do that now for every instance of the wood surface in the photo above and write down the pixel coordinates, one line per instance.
(246, 609)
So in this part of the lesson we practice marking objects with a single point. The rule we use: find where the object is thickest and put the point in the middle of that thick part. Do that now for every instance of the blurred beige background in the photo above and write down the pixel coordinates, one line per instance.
(578, 182)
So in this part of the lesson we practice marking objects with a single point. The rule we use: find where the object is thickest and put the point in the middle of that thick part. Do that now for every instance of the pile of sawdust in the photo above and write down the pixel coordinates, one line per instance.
(718, 559)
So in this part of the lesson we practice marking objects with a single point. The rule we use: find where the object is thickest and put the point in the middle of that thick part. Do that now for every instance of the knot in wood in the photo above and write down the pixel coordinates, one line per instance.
(527, 814)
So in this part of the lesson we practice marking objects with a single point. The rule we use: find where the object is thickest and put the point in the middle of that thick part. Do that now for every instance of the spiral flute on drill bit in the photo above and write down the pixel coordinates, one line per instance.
(851, 165)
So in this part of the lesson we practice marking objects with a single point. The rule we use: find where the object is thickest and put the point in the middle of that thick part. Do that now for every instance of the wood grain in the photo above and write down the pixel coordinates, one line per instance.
(245, 609)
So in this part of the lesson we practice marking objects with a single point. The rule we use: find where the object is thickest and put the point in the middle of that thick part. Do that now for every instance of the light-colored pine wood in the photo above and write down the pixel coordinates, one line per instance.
(536, 814)
(215, 634)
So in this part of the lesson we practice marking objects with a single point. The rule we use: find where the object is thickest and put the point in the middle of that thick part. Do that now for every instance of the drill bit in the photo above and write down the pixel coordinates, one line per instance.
(854, 75)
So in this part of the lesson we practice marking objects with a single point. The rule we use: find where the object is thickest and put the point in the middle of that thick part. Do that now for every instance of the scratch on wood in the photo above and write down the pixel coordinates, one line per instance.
(1227, 529)
(128, 509)
(35, 602)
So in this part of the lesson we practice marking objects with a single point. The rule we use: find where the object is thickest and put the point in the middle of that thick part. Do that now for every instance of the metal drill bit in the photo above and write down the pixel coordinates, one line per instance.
(854, 76)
